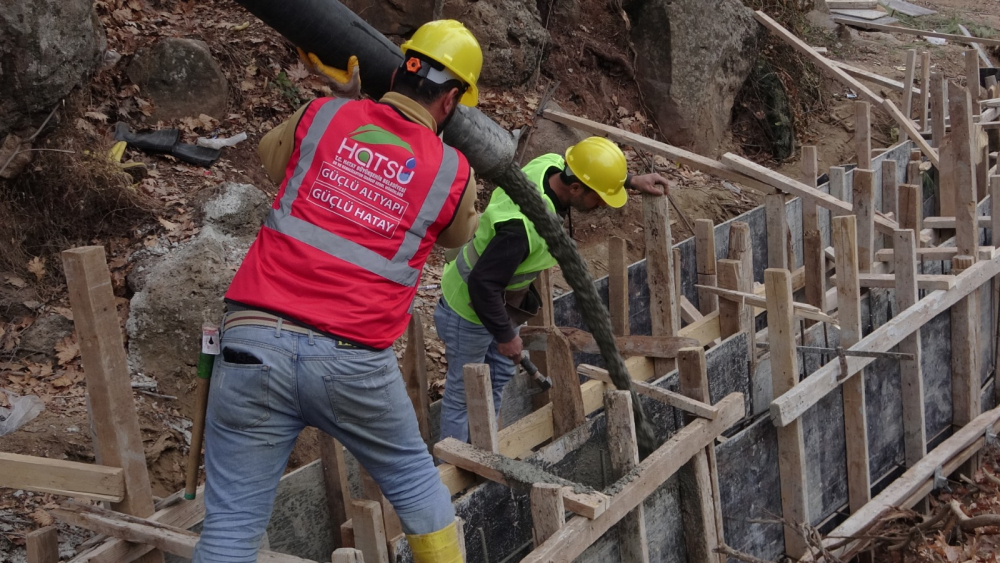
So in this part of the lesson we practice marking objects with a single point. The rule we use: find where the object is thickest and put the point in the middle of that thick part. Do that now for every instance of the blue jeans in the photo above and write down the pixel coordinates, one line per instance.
(255, 414)
(466, 343)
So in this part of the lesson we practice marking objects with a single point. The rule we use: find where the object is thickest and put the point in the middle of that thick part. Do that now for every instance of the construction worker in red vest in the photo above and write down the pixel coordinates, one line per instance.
(367, 188)
(487, 291)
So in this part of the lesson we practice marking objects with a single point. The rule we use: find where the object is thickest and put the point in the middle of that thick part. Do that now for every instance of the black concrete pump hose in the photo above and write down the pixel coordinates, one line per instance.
(334, 33)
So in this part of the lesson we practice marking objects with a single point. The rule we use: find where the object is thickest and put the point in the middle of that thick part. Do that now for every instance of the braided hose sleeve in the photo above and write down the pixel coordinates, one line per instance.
(595, 314)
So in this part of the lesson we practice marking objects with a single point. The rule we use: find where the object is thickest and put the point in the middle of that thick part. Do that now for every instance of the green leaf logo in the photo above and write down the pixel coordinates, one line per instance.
(375, 135)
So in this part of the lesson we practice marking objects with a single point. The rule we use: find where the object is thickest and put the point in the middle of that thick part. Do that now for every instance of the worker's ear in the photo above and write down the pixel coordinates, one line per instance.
(451, 100)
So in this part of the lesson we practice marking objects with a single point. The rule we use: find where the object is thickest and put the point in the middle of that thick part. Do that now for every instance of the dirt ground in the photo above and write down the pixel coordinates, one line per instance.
(266, 86)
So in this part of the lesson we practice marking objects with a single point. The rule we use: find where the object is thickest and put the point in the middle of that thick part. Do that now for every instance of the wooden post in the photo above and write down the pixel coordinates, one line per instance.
(347, 555)
(965, 378)
(784, 376)
(995, 240)
(704, 246)
(370, 490)
(415, 374)
(812, 239)
(910, 207)
(733, 317)
(43, 545)
(864, 209)
(925, 84)
(957, 173)
(844, 233)
(567, 398)
(699, 479)
(663, 308)
(632, 544)
(911, 70)
(777, 225)
(548, 512)
(618, 285)
(544, 318)
(678, 291)
(838, 186)
(369, 531)
(939, 108)
(479, 404)
(911, 374)
(863, 134)
(338, 488)
(112, 408)
(972, 78)
(741, 247)
(890, 192)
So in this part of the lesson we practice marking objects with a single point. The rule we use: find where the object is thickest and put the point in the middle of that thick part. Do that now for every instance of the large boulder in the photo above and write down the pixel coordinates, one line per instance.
(393, 17)
(47, 47)
(548, 136)
(181, 78)
(693, 58)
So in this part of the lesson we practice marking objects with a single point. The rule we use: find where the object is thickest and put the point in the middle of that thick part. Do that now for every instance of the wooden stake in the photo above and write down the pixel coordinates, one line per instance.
(965, 378)
(414, 368)
(844, 233)
(663, 308)
(347, 555)
(390, 520)
(43, 545)
(995, 239)
(838, 187)
(618, 285)
(972, 79)
(548, 512)
(369, 531)
(911, 69)
(777, 224)
(911, 375)
(479, 402)
(863, 132)
(632, 544)
(567, 399)
(704, 247)
(864, 209)
(890, 192)
(910, 207)
(113, 416)
(925, 83)
(545, 317)
(939, 109)
(957, 174)
(699, 478)
(338, 487)
(741, 247)
(812, 238)
(733, 315)
(678, 291)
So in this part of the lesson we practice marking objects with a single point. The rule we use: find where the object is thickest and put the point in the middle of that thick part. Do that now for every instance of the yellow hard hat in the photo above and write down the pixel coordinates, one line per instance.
(451, 44)
(600, 164)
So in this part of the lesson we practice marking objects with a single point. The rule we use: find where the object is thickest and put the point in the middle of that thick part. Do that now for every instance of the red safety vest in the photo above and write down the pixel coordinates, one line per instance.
(365, 195)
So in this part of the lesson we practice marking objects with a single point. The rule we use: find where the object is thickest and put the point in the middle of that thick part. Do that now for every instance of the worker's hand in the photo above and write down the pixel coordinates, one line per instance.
(652, 184)
(345, 83)
(511, 349)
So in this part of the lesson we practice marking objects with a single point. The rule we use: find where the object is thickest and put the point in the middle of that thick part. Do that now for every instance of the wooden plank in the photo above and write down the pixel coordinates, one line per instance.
(663, 309)
(908, 126)
(906, 8)
(482, 415)
(971, 57)
(844, 235)
(370, 490)
(911, 375)
(579, 533)
(699, 478)
(624, 454)
(871, 77)
(618, 285)
(861, 14)
(493, 467)
(910, 74)
(335, 480)
(863, 134)
(939, 253)
(791, 405)
(890, 193)
(548, 512)
(980, 51)
(347, 555)
(369, 531)
(864, 210)
(939, 110)
(965, 372)
(544, 318)
(851, 4)
(923, 33)
(910, 207)
(925, 84)
(704, 232)
(42, 545)
(838, 188)
(536, 338)
(784, 376)
(679, 156)
(414, 368)
(905, 491)
(678, 293)
(734, 316)
(984, 222)
(812, 239)
(695, 407)
(777, 227)
(689, 313)
(928, 282)
(60, 477)
(118, 442)
(799, 189)
(567, 398)
(802, 310)
(958, 173)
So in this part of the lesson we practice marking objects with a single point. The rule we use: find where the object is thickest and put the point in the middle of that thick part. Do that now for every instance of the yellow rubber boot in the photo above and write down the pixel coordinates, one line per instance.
(436, 547)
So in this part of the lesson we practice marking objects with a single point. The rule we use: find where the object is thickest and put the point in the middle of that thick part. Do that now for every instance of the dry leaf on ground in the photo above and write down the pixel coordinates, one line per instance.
(37, 266)
(66, 350)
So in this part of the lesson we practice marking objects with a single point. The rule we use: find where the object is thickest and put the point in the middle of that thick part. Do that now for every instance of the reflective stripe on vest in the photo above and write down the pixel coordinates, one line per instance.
(397, 268)
(466, 261)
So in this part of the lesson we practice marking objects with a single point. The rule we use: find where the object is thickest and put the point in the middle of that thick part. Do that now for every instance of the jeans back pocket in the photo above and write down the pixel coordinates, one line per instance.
(239, 396)
(359, 397)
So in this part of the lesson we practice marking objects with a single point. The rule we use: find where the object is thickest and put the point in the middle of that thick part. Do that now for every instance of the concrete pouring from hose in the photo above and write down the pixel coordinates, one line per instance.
(335, 33)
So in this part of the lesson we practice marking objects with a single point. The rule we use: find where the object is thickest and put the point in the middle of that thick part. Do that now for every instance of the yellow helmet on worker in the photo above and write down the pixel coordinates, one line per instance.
(450, 43)
(601, 166)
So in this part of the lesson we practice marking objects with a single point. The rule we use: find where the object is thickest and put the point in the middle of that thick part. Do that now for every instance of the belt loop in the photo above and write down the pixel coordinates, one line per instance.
(311, 342)
(277, 328)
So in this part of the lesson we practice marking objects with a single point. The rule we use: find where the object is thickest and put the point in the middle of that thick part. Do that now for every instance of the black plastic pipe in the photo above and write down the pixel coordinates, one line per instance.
(334, 33)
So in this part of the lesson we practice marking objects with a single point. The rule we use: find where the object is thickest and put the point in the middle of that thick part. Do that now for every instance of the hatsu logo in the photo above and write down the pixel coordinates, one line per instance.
(351, 147)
